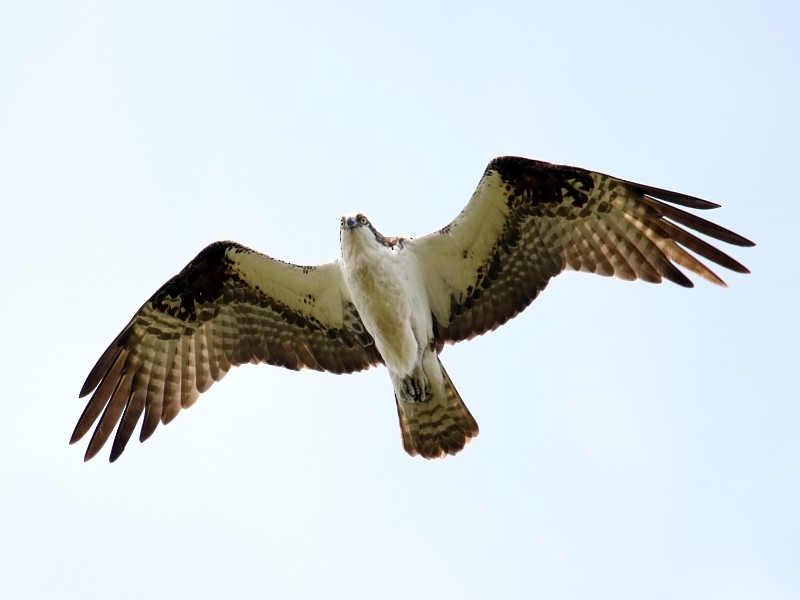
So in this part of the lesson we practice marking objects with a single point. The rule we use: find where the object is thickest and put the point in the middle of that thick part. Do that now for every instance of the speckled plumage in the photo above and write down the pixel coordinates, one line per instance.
(394, 300)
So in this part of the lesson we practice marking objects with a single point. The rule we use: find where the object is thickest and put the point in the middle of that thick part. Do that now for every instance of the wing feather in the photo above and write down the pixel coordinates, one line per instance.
(172, 396)
(701, 247)
(229, 306)
(154, 398)
(112, 363)
(528, 221)
(202, 366)
(133, 411)
(619, 247)
(113, 410)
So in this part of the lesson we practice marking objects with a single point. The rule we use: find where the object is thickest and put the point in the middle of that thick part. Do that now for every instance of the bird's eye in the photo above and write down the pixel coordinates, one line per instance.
(362, 219)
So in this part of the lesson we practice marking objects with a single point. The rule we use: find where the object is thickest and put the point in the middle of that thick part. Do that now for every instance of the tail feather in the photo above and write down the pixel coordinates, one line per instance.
(437, 426)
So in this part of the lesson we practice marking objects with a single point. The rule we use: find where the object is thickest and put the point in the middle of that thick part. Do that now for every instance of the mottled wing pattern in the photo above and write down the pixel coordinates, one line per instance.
(229, 306)
(529, 220)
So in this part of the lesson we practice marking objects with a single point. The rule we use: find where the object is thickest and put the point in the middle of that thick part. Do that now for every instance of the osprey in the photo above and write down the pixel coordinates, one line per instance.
(392, 300)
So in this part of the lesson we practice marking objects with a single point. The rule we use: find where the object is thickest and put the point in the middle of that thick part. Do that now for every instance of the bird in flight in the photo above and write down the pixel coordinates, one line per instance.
(394, 301)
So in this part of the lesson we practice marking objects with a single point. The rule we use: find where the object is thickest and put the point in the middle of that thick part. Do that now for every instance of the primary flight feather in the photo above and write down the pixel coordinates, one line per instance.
(394, 300)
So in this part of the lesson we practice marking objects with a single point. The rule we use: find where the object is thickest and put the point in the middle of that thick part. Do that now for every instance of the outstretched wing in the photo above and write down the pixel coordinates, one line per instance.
(529, 220)
(228, 306)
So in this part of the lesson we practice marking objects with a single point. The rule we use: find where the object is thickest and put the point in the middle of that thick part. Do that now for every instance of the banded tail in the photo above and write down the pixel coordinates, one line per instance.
(439, 425)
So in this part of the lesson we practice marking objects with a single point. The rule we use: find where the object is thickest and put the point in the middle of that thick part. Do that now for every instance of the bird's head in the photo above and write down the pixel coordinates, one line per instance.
(355, 221)
(357, 228)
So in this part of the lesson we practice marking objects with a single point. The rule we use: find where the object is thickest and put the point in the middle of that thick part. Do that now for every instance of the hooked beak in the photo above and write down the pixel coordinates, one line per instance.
(350, 222)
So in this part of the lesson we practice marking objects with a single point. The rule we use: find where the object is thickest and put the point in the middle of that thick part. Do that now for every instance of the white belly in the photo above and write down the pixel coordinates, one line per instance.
(391, 304)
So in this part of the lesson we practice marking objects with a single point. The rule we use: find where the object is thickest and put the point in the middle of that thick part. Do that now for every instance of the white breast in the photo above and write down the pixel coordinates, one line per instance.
(386, 289)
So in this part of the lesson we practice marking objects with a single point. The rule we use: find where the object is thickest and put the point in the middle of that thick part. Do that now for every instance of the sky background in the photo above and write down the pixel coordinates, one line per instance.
(637, 441)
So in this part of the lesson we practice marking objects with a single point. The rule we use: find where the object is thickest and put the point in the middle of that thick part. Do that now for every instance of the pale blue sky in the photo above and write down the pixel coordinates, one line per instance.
(637, 441)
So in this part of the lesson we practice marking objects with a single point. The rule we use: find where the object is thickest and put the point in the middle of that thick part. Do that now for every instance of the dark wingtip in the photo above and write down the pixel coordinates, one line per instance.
(726, 235)
(117, 448)
(674, 197)
(90, 453)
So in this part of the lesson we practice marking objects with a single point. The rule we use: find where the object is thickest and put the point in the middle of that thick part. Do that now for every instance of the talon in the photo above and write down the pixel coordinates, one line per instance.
(413, 389)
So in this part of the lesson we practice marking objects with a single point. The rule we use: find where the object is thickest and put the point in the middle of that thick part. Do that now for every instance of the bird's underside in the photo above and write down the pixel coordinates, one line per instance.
(394, 301)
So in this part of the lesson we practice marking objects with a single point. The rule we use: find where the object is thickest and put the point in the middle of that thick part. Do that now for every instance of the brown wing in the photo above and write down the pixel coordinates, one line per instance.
(229, 306)
(528, 221)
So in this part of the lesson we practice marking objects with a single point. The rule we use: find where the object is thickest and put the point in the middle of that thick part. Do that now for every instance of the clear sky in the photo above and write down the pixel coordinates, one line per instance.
(637, 441)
